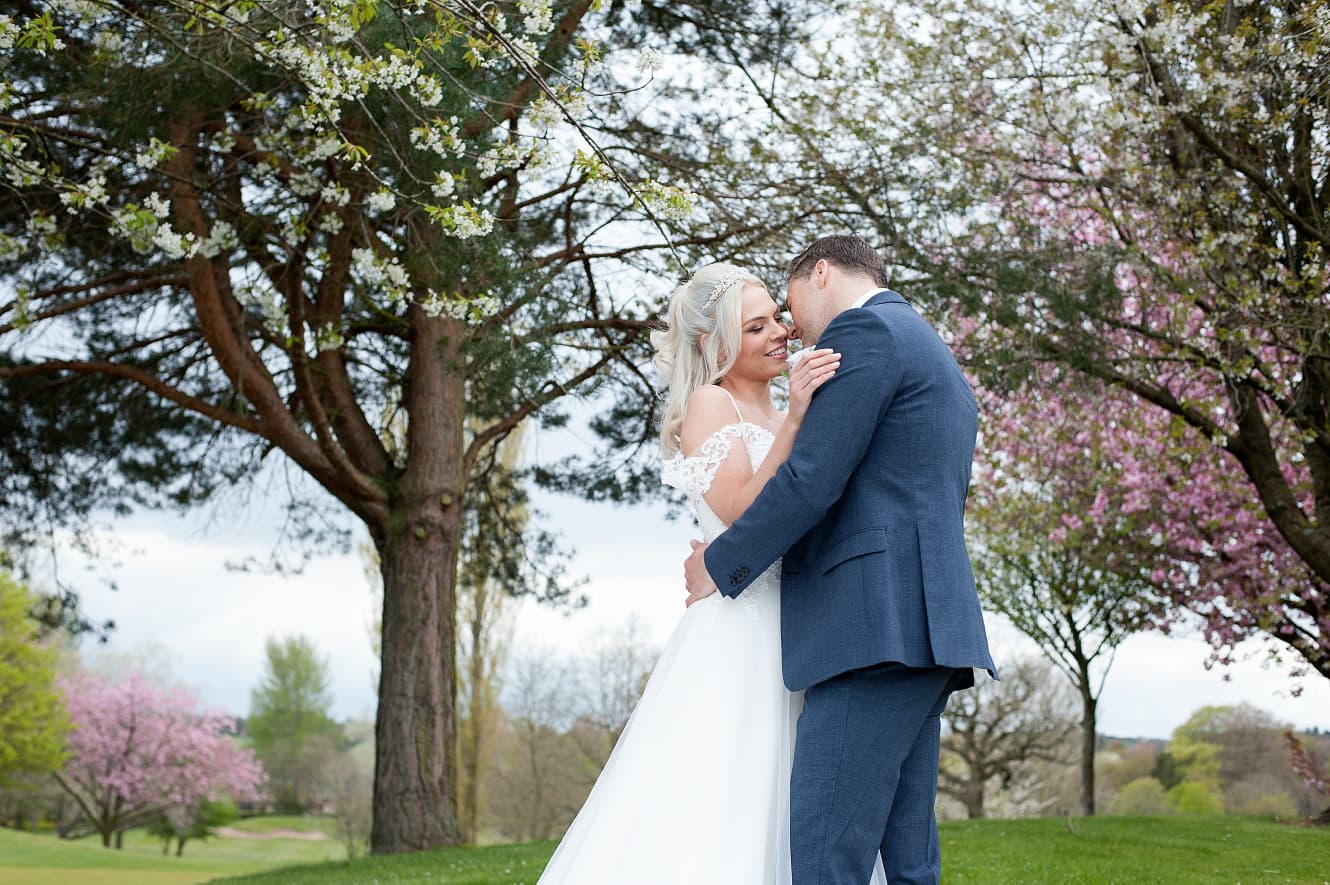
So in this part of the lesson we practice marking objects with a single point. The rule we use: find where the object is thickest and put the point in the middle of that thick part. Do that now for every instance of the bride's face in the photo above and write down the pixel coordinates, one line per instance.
(763, 336)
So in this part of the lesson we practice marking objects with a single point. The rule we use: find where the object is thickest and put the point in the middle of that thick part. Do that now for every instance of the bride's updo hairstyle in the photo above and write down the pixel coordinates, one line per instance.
(711, 305)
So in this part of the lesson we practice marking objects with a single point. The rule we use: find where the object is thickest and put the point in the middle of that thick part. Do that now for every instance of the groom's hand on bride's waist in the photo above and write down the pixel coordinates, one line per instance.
(695, 576)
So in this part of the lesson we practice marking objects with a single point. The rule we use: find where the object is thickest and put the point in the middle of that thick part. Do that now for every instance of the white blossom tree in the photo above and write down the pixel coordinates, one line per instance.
(373, 236)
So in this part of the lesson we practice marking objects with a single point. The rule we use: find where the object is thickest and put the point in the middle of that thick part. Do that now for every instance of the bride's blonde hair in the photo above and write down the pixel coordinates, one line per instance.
(711, 305)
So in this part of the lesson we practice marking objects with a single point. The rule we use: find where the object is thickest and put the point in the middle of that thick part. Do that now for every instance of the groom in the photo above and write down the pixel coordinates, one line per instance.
(880, 621)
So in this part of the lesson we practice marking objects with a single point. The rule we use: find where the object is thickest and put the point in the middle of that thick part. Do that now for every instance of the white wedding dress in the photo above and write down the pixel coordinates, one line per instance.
(696, 791)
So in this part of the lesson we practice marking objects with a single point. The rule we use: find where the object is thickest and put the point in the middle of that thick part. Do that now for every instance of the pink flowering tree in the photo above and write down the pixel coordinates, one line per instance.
(139, 751)
(1060, 543)
(1136, 193)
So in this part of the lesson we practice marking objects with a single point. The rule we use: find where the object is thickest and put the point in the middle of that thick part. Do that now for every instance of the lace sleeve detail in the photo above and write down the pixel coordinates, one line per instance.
(693, 475)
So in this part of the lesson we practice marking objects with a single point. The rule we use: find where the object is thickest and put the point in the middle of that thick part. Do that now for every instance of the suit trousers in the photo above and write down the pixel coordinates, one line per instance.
(865, 776)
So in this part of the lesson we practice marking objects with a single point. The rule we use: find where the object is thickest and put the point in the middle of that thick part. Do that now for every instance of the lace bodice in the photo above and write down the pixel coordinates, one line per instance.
(693, 475)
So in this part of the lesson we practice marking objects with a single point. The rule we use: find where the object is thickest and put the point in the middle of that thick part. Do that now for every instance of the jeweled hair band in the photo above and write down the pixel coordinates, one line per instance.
(727, 279)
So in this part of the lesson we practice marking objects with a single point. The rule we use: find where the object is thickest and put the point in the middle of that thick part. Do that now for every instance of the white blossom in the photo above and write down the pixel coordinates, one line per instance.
(443, 186)
(465, 221)
(158, 205)
(335, 193)
(381, 201)
(325, 148)
(90, 193)
(222, 238)
(650, 61)
(9, 32)
(153, 155)
(429, 92)
(674, 203)
(173, 244)
(223, 142)
(331, 222)
(387, 275)
(440, 137)
(543, 113)
(538, 16)
(135, 224)
(509, 155)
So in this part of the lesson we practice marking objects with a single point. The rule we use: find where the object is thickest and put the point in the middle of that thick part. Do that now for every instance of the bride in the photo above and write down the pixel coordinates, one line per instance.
(712, 736)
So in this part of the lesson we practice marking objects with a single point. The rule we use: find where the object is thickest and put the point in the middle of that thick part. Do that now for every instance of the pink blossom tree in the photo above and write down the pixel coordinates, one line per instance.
(1161, 504)
(1139, 194)
(1060, 545)
(139, 751)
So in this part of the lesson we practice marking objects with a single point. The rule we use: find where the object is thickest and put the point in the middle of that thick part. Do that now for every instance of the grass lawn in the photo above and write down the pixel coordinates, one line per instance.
(1102, 850)
(29, 859)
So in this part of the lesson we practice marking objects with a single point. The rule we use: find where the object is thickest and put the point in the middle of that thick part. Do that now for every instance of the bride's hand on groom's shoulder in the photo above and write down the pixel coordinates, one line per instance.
(808, 374)
(696, 579)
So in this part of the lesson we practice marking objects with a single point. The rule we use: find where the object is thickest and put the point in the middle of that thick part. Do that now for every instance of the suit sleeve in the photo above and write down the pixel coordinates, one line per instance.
(835, 435)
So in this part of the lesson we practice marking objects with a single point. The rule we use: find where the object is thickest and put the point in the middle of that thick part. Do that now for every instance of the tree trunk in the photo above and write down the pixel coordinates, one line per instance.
(1089, 704)
(415, 731)
(416, 724)
(471, 752)
(974, 800)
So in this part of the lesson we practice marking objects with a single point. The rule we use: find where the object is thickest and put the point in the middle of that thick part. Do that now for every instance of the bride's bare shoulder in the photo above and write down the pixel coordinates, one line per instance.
(709, 409)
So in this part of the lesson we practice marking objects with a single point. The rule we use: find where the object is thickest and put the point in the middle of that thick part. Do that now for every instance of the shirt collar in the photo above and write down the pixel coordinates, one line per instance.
(864, 298)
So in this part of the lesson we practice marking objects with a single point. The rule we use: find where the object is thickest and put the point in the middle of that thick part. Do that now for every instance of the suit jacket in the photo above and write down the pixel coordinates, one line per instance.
(868, 510)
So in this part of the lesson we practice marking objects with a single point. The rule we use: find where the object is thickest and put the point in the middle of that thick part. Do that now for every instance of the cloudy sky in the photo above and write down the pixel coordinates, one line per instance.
(178, 602)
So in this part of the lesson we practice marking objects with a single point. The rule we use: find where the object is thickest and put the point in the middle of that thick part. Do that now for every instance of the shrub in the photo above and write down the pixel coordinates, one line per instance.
(1193, 797)
(1144, 796)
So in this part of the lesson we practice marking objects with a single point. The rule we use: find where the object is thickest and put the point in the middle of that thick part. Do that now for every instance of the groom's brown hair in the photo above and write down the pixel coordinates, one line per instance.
(846, 251)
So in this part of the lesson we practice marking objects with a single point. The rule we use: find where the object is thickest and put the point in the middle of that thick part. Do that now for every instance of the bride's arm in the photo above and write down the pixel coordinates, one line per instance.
(735, 485)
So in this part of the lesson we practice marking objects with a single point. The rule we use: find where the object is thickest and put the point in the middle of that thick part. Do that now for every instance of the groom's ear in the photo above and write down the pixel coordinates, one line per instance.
(821, 273)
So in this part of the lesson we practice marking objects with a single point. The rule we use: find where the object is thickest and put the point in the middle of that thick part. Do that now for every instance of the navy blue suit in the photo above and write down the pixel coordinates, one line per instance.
(880, 620)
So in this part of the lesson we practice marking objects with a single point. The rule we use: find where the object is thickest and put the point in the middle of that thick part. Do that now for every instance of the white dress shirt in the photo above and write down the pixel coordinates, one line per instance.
(864, 298)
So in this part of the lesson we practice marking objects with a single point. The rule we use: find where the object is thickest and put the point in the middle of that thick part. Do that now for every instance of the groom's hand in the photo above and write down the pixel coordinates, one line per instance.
(695, 575)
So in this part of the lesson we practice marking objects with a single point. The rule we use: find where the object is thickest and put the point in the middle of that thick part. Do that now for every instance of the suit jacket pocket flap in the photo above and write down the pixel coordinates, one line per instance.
(860, 543)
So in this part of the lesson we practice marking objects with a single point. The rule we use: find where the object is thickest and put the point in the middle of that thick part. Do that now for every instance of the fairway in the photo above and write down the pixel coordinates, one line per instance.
(28, 859)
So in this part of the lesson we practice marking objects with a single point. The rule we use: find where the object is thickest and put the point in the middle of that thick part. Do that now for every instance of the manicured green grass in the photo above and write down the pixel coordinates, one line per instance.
(29, 859)
(491, 865)
(1103, 851)
(1133, 851)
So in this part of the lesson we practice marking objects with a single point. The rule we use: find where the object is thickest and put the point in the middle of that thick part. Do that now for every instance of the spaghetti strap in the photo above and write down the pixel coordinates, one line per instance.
(734, 402)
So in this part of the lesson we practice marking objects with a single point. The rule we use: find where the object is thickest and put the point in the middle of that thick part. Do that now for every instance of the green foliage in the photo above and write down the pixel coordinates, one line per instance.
(209, 816)
(1276, 805)
(292, 700)
(1143, 796)
(289, 722)
(33, 722)
(1196, 761)
(1194, 797)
